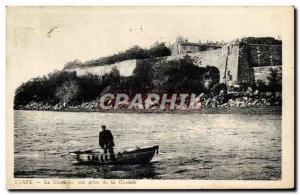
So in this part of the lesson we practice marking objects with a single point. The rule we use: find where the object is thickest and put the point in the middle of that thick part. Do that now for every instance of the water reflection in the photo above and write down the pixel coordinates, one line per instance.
(127, 171)
(116, 171)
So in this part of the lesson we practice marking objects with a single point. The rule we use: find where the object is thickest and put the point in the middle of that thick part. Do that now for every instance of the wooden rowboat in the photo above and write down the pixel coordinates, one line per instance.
(137, 156)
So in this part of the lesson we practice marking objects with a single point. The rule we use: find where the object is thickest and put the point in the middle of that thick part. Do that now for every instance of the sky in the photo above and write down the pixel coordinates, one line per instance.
(42, 39)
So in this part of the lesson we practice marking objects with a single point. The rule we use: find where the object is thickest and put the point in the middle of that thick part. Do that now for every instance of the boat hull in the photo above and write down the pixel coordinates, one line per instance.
(138, 156)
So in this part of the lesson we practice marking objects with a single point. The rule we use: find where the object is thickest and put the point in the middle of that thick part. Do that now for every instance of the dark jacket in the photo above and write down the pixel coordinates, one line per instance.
(106, 138)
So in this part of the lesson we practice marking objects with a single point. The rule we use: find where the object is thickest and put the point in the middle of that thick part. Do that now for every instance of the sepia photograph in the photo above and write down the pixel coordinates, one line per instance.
(150, 97)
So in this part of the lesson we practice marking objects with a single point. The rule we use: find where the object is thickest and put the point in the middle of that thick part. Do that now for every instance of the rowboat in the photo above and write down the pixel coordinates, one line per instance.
(137, 156)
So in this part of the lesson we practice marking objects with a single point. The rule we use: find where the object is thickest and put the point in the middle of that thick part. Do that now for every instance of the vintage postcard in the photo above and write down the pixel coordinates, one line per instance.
(150, 97)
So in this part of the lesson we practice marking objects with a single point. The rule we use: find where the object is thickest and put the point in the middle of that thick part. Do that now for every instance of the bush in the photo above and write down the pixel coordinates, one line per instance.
(58, 87)
(275, 80)
(135, 52)
(182, 76)
(158, 50)
(211, 76)
(217, 88)
(73, 64)
(67, 92)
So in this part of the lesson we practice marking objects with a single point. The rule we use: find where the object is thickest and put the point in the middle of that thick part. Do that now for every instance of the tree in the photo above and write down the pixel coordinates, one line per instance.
(135, 52)
(211, 76)
(115, 73)
(178, 76)
(90, 87)
(159, 50)
(67, 92)
(143, 76)
(73, 64)
(59, 87)
(34, 90)
(275, 80)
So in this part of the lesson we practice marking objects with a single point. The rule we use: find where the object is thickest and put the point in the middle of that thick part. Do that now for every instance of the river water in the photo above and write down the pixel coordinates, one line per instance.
(192, 146)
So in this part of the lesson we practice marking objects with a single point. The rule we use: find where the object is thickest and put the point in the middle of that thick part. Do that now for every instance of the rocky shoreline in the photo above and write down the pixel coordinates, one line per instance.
(241, 105)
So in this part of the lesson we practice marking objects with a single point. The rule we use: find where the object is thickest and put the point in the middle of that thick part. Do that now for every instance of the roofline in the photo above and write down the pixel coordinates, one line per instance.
(201, 44)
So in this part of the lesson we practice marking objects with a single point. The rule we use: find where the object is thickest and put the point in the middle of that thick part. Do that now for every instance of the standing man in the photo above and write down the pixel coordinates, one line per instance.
(106, 141)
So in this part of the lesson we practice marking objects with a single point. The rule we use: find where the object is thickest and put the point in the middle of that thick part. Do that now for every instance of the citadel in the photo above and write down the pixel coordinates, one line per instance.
(245, 60)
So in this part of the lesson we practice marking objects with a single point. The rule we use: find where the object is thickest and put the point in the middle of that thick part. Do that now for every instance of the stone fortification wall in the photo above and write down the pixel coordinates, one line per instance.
(225, 59)
(238, 62)
(261, 73)
(126, 68)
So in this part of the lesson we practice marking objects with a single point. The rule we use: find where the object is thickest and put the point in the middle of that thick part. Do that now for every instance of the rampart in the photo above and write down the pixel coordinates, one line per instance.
(238, 61)
(126, 68)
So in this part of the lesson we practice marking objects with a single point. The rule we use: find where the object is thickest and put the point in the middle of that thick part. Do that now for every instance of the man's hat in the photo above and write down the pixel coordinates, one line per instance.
(103, 126)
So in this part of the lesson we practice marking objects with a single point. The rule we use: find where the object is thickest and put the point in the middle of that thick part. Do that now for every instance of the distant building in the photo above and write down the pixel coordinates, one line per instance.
(240, 61)
(182, 46)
